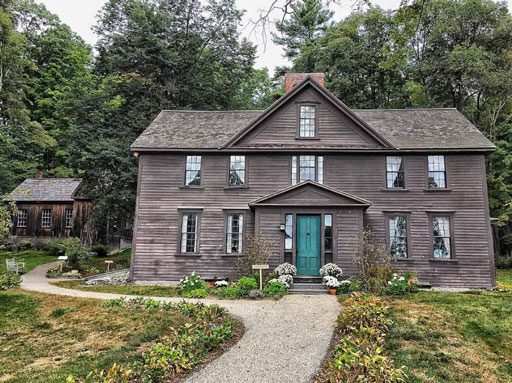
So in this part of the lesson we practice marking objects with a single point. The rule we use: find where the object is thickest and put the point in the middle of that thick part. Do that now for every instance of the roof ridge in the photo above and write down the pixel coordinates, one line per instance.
(212, 111)
(405, 109)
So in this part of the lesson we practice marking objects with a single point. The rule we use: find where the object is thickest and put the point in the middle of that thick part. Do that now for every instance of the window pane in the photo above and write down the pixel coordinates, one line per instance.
(394, 172)
(237, 171)
(22, 218)
(398, 236)
(46, 218)
(307, 168)
(288, 241)
(320, 161)
(328, 232)
(234, 235)
(69, 217)
(189, 233)
(441, 234)
(436, 172)
(193, 171)
(307, 122)
(294, 170)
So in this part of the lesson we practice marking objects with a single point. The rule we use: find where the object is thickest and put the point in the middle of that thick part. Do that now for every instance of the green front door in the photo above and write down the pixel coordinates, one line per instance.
(308, 244)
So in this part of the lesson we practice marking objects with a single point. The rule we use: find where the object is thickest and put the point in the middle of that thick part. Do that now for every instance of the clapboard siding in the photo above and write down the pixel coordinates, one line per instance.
(333, 128)
(161, 194)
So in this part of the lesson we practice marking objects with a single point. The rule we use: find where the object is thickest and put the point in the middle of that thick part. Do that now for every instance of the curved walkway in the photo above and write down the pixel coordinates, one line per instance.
(285, 341)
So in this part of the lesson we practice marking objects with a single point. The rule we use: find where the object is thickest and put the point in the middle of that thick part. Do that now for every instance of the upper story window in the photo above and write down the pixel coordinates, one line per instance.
(189, 232)
(398, 236)
(234, 233)
(193, 171)
(22, 218)
(69, 218)
(394, 172)
(46, 218)
(436, 172)
(307, 121)
(441, 237)
(307, 168)
(237, 171)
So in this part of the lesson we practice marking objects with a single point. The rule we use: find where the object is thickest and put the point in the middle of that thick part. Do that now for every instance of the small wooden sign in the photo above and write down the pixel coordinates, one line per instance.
(260, 267)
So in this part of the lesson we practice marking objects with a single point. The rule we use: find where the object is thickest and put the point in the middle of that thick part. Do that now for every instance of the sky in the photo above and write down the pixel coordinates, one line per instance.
(80, 15)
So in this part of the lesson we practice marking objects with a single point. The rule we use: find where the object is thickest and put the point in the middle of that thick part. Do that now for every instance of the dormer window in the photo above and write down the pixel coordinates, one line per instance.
(307, 121)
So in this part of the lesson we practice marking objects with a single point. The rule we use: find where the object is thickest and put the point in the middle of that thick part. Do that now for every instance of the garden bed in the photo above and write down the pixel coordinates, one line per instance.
(48, 338)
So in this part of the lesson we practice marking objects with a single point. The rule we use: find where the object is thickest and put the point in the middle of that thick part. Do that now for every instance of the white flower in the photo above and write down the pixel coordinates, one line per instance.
(345, 282)
(331, 269)
(390, 283)
(331, 281)
(285, 269)
(287, 279)
(401, 279)
(222, 283)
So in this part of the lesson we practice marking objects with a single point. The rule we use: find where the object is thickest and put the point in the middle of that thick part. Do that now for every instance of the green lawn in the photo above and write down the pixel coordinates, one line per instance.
(453, 337)
(121, 261)
(155, 291)
(504, 276)
(32, 258)
(45, 338)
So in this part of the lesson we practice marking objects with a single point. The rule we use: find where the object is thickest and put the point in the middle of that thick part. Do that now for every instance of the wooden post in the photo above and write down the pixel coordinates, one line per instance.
(261, 268)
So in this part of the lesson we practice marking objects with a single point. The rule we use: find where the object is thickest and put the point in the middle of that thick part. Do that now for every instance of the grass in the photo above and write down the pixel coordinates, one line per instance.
(453, 337)
(46, 338)
(32, 258)
(121, 261)
(155, 291)
(504, 275)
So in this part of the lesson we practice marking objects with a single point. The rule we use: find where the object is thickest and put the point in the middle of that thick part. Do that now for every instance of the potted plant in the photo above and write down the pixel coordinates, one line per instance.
(332, 284)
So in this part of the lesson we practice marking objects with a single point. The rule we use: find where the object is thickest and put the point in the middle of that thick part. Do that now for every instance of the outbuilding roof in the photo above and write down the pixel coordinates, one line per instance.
(397, 129)
(45, 190)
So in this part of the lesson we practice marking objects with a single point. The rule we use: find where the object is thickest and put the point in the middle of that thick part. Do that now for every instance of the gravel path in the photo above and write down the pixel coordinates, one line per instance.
(285, 341)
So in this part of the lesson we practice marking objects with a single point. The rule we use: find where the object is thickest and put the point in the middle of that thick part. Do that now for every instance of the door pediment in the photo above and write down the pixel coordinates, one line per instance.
(311, 194)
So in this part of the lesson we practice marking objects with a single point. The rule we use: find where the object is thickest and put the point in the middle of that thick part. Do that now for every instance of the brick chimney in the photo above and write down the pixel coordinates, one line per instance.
(39, 175)
(292, 79)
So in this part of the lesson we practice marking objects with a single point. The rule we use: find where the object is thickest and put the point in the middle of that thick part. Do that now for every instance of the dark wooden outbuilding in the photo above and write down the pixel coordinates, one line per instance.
(309, 174)
(51, 207)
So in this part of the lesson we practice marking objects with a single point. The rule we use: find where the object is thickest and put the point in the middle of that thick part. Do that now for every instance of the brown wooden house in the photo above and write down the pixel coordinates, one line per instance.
(50, 207)
(309, 174)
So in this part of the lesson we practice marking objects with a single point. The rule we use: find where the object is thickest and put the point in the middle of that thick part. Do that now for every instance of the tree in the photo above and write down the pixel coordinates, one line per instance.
(301, 30)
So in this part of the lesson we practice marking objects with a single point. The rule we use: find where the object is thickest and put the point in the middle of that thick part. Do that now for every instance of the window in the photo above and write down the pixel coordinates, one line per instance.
(394, 172)
(436, 172)
(193, 171)
(69, 217)
(189, 229)
(22, 218)
(46, 218)
(288, 231)
(328, 238)
(441, 237)
(307, 168)
(236, 170)
(234, 233)
(398, 236)
(307, 117)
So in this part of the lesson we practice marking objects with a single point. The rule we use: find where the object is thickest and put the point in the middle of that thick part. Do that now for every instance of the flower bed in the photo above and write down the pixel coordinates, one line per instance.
(359, 354)
(176, 353)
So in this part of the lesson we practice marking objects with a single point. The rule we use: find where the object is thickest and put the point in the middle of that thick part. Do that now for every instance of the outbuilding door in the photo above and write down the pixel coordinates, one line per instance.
(308, 244)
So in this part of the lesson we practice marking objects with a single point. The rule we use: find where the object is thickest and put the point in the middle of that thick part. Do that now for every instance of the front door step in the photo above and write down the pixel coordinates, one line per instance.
(307, 279)
(307, 288)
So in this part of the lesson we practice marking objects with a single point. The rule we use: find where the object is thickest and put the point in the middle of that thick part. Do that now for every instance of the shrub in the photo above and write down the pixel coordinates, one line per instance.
(331, 269)
(401, 284)
(503, 262)
(257, 251)
(75, 251)
(8, 280)
(285, 269)
(196, 293)
(347, 286)
(246, 284)
(192, 282)
(53, 273)
(275, 289)
(55, 247)
(230, 292)
(100, 249)
(331, 282)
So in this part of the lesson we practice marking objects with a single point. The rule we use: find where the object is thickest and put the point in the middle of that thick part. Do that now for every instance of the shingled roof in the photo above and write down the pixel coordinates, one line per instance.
(45, 190)
(403, 129)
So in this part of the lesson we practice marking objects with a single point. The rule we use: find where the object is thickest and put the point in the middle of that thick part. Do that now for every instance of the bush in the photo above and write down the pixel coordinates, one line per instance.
(246, 284)
(256, 294)
(229, 292)
(53, 273)
(55, 247)
(9, 280)
(503, 262)
(401, 284)
(285, 269)
(101, 250)
(275, 289)
(75, 251)
(348, 286)
(197, 293)
(332, 270)
(192, 282)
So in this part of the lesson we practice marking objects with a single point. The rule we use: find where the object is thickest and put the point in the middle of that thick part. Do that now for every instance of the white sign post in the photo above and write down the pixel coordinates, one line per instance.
(62, 259)
(261, 268)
